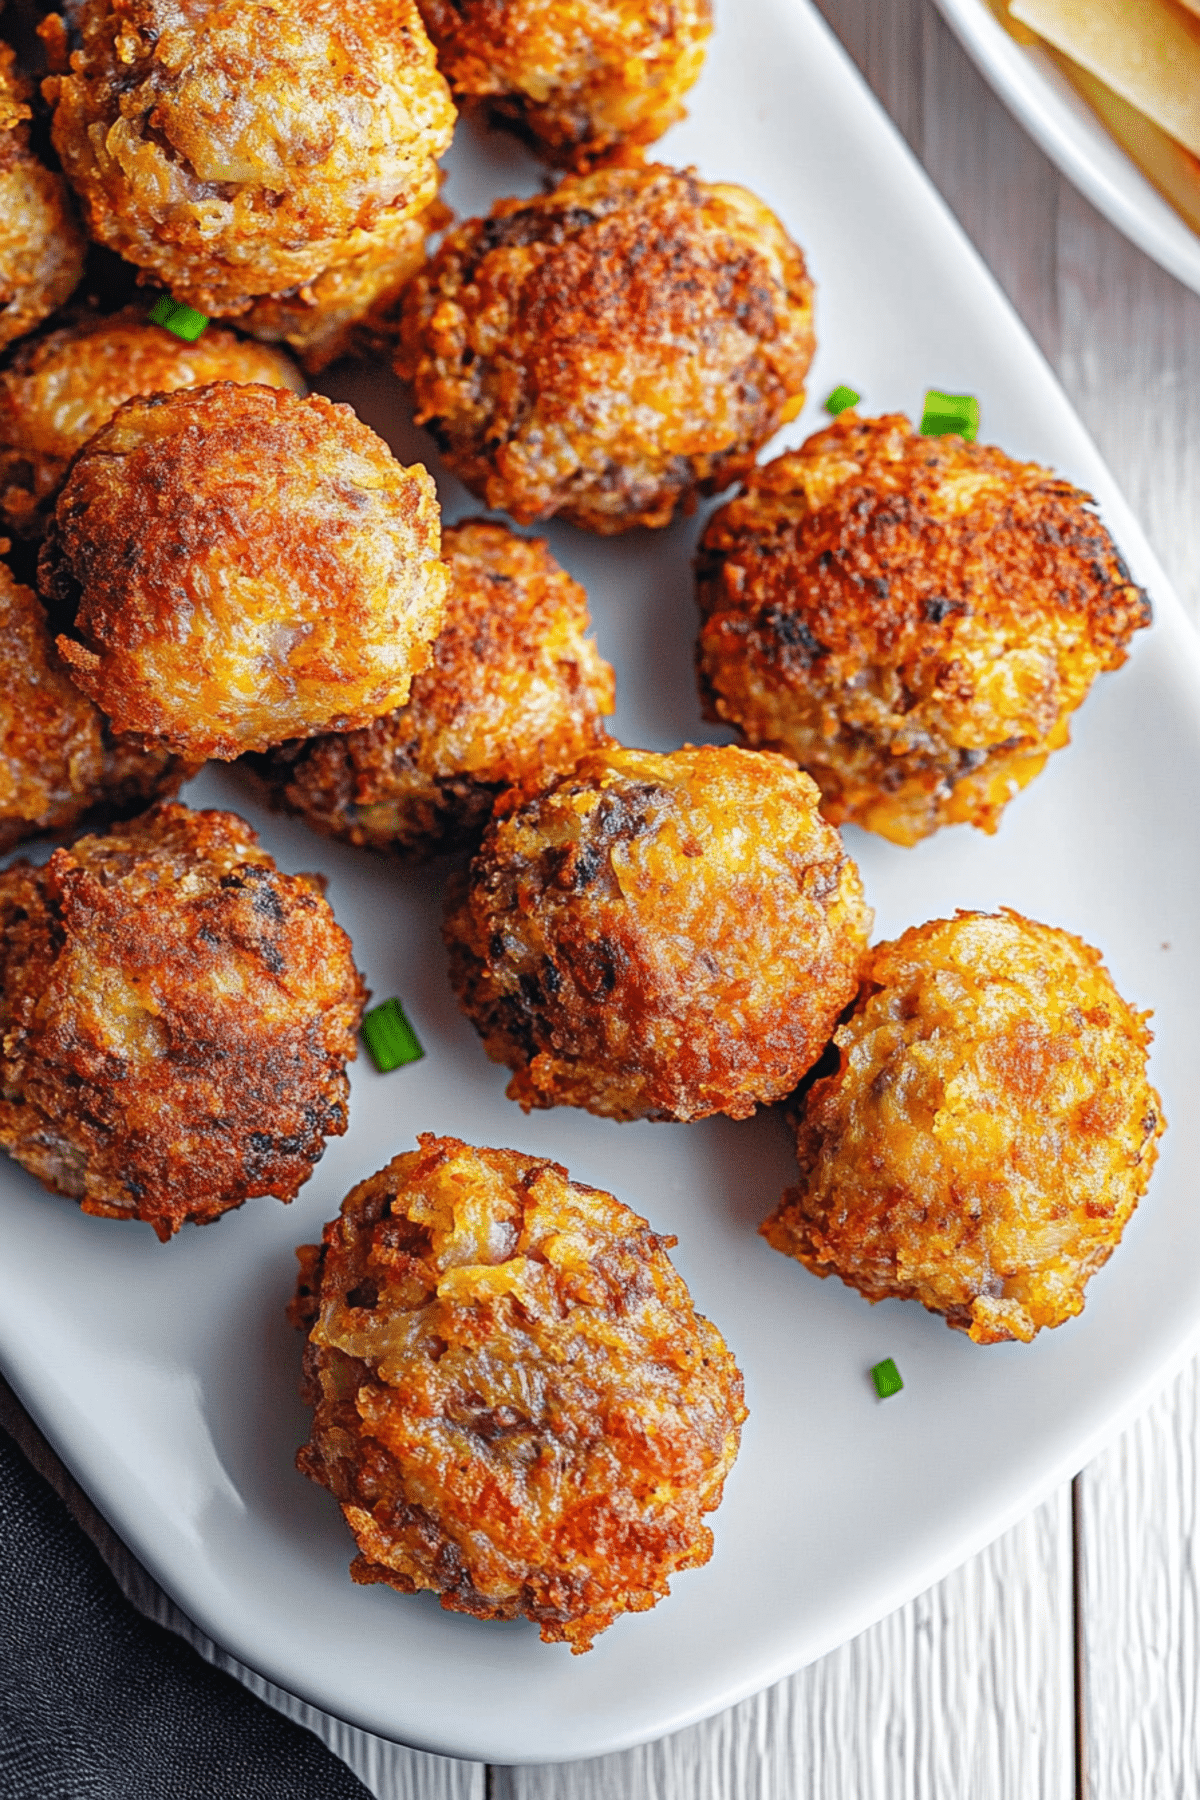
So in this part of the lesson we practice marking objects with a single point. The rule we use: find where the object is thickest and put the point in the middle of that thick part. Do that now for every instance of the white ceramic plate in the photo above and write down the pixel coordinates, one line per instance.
(1038, 94)
(166, 1376)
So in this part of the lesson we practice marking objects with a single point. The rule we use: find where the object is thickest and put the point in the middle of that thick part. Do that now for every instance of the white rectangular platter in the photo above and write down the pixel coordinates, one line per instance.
(166, 1375)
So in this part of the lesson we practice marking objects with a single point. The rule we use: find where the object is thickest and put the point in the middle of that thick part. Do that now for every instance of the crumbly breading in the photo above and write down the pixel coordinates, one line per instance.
(240, 148)
(577, 78)
(658, 936)
(41, 246)
(59, 388)
(986, 1134)
(176, 1016)
(516, 1403)
(513, 689)
(236, 566)
(913, 619)
(610, 350)
(60, 764)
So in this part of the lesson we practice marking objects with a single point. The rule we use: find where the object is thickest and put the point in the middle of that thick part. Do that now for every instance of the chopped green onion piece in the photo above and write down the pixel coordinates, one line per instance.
(841, 399)
(886, 1377)
(950, 413)
(389, 1037)
(184, 321)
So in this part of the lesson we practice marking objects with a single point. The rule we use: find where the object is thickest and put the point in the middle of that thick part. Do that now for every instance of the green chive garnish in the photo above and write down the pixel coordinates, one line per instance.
(886, 1377)
(950, 413)
(184, 321)
(841, 398)
(389, 1037)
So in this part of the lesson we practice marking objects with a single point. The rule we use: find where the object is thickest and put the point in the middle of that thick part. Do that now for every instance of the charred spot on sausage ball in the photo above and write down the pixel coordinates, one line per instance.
(176, 1017)
(912, 619)
(658, 936)
(606, 352)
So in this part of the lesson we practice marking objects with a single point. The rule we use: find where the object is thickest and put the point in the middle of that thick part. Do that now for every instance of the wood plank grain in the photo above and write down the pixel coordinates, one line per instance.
(887, 44)
(1004, 192)
(966, 1691)
(1139, 1527)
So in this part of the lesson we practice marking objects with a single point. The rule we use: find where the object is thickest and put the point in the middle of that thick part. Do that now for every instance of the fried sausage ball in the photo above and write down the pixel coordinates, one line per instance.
(576, 78)
(60, 764)
(236, 148)
(235, 566)
(513, 688)
(58, 390)
(608, 351)
(176, 1017)
(515, 1401)
(913, 619)
(658, 937)
(41, 246)
(987, 1133)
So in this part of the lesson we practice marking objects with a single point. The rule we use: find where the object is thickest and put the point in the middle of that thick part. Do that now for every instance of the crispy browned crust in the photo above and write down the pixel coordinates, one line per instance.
(577, 79)
(912, 619)
(608, 351)
(514, 688)
(246, 147)
(987, 1133)
(515, 1401)
(176, 1017)
(61, 766)
(41, 246)
(658, 936)
(352, 309)
(235, 566)
(58, 389)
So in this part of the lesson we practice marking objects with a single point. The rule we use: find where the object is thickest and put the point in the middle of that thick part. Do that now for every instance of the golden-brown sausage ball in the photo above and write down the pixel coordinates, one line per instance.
(176, 1017)
(235, 566)
(576, 78)
(658, 937)
(60, 764)
(913, 619)
(236, 148)
(58, 389)
(513, 688)
(515, 1401)
(987, 1133)
(608, 351)
(41, 246)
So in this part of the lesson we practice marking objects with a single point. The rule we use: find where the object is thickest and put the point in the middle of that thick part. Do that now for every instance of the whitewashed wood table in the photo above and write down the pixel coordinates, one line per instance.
(1064, 1662)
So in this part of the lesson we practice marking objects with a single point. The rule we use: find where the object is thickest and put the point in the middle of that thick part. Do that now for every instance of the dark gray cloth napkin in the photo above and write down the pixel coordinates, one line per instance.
(98, 1703)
